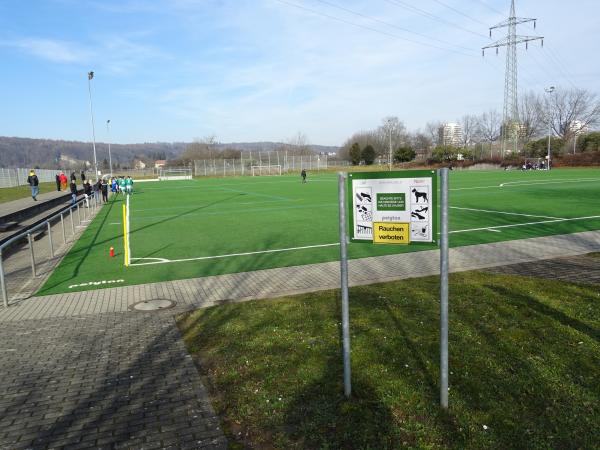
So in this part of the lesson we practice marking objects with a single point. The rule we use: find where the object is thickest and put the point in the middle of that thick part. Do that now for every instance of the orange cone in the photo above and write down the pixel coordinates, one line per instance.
(112, 252)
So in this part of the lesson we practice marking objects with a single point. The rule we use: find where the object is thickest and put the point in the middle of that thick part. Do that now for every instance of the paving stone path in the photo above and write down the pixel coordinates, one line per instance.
(80, 370)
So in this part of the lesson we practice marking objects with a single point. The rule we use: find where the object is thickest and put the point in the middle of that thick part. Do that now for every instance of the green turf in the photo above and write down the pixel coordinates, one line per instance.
(524, 363)
(9, 194)
(204, 218)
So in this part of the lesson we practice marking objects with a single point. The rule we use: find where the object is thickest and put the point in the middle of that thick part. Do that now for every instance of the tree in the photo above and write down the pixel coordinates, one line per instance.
(404, 154)
(355, 154)
(391, 133)
(445, 153)
(422, 143)
(199, 149)
(368, 155)
(489, 126)
(432, 129)
(572, 110)
(531, 116)
(539, 147)
(470, 130)
(589, 143)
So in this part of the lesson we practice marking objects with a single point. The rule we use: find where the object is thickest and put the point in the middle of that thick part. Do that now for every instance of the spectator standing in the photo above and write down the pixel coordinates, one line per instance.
(73, 191)
(96, 189)
(34, 183)
(104, 189)
(303, 175)
(63, 181)
(87, 193)
(83, 178)
(58, 182)
(73, 177)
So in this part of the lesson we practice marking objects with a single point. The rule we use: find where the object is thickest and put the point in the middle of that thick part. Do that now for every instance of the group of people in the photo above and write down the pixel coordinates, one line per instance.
(100, 187)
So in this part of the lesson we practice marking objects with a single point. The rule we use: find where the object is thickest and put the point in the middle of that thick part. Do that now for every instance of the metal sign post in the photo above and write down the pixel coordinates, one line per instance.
(444, 290)
(344, 283)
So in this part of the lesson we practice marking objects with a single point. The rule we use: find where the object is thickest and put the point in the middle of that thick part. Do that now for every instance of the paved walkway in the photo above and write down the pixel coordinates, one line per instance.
(14, 206)
(82, 371)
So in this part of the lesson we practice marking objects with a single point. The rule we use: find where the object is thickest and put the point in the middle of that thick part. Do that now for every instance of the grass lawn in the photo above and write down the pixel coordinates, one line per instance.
(201, 227)
(524, 366)
(15, 193)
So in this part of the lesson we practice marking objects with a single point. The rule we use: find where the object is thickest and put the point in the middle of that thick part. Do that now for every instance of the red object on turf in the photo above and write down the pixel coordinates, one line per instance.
(112, 252)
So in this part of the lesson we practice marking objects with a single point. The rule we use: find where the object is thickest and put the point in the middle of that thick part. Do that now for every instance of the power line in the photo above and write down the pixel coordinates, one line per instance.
(561, 67)
(432, 16)
(375, 30)
(451, 8)
(491, 8)
(374, 19)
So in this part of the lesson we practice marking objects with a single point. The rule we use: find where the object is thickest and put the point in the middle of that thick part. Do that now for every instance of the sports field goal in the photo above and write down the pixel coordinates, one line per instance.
(273, 169)
(167, 174)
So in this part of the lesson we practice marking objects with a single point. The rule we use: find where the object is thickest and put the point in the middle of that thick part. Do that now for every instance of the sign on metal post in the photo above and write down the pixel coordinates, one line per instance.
(399, 208)
(393, 207)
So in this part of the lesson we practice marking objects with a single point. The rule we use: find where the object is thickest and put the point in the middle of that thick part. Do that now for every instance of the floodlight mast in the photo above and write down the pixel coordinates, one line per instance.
(510, 119)
(90, 76)
(549, 90)
(109, 157)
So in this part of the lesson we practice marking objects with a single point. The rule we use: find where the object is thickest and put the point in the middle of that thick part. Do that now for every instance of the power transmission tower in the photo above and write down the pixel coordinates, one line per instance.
(511, 126)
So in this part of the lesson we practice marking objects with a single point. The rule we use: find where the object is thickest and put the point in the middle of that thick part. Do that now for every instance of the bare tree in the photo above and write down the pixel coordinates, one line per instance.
(202, 148)
(571, 110)
(489, 126)
(531, 115)
(392, 132)
(432, 129)
(298, 144)
(422, 144)
(469, 125)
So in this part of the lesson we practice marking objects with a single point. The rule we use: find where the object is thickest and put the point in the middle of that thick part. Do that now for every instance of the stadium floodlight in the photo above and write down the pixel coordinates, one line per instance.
(90, 76)
(549, 90)
(109, 157)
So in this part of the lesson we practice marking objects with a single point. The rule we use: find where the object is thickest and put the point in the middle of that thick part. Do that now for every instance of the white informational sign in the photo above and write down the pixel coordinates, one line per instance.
(397, 210)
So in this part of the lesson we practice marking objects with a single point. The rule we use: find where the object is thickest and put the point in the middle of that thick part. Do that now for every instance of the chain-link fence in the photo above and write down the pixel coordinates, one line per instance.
(18, 177)
(244, 164)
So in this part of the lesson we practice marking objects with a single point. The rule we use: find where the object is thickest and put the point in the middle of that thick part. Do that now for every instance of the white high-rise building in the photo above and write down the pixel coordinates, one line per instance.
(578, 127)
(451, 134)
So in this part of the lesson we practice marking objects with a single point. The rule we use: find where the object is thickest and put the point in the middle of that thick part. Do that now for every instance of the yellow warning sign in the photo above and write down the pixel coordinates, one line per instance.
(391, 233)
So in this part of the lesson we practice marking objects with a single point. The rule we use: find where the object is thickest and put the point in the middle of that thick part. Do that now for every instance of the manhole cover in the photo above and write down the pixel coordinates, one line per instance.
(153, 305)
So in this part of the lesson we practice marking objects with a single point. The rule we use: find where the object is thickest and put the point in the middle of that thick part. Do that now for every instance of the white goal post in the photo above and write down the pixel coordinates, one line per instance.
(167, 174)
(273, 169)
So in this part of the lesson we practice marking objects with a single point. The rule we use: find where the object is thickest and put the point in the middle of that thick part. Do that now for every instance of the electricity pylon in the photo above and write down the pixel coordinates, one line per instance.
(511, 125)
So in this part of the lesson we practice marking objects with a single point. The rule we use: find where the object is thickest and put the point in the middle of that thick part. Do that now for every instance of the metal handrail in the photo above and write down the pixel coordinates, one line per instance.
(32, 228)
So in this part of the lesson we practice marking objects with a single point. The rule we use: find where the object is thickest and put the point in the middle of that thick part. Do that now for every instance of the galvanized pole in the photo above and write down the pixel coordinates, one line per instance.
(3, 282)
(78, 214)
(32, 255)
(50, 239)
(72, 222)
(344, 284)
(444, 290)
(62, 224)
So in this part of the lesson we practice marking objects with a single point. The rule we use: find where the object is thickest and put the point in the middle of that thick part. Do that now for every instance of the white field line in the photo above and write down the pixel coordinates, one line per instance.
(494, 229)
(217, 187)
(524, 224)
(163, 260)
(533, 182)
(504, 212)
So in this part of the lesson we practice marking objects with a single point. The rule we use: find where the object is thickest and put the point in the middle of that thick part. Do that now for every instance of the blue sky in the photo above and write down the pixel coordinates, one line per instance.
(250, 70)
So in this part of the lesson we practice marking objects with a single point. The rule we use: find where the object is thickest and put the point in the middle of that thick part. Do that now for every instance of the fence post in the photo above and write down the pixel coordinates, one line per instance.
(78, 214)
(50, 239)
(62, 224)
(72, 222)
(30, 240)
(3, 282)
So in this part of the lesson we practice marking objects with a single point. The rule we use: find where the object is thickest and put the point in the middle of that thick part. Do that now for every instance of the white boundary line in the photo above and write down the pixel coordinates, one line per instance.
(533, 182)
(504, 212)
(164, 261)
(201, 258)
(492, 228)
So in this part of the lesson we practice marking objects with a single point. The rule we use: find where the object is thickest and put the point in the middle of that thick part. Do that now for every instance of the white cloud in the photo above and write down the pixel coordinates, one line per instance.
(52, 50)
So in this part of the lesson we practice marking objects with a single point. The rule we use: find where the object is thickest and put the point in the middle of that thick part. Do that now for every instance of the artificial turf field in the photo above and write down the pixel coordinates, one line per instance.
(212, 226)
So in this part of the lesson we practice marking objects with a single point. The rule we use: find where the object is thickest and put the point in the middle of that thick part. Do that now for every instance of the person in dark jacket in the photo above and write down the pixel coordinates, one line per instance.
(73, 177)
(104, 189)
(87, 193)
(83, 178)
(34, 183)
(58, 182)
(73, 192)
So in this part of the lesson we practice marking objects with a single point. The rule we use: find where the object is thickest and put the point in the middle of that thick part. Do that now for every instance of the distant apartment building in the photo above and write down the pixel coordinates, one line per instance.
(450, 134)
(578, 127)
